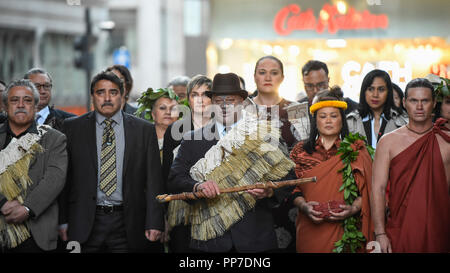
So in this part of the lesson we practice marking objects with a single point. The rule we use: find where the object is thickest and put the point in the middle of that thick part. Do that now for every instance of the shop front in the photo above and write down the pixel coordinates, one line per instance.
(407, 38)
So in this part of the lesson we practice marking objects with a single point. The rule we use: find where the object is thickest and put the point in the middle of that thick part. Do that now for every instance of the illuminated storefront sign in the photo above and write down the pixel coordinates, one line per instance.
(333, 17)
(366, 37)
(353, 75)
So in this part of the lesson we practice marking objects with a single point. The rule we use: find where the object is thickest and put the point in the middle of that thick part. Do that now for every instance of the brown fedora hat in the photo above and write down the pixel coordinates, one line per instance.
(226, 84)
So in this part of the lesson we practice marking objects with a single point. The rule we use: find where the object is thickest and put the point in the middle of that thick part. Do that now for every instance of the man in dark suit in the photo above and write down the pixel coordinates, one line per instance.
(46, 114)
(35, 206)
(254, 232)
(113, 177)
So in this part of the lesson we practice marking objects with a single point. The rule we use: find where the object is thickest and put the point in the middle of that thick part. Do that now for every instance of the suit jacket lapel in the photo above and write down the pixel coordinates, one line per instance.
(92, 140)
(210, 132)
(2, 134)
(50, 115)
(128, 130)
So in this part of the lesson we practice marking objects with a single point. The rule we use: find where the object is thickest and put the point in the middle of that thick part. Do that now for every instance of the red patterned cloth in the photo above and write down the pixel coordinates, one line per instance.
(419, 199)
(325, 165)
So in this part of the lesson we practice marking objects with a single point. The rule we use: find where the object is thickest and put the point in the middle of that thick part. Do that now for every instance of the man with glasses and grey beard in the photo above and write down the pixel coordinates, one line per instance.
(46, 114)
(33, 163)
(315, 79)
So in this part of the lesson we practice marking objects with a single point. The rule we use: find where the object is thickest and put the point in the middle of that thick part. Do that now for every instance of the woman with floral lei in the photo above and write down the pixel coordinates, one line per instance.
(334, 212)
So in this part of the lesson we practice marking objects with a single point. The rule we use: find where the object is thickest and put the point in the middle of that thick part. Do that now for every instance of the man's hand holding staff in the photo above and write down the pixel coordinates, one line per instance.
(212, 189)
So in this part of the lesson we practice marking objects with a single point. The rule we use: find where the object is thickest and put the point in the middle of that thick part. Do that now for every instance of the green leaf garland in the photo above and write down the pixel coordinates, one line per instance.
(148, 99)
(353, 238)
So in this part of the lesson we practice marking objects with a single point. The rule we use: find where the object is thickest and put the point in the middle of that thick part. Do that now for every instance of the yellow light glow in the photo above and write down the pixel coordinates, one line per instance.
(226, 43)
(224, 69)
(424, 57)
(267, 49)
(324, 15)
(294, 50)
(324, 55)
(398, 48)
(336, 43)
(341, 7)
(211, 54)
(278, 50)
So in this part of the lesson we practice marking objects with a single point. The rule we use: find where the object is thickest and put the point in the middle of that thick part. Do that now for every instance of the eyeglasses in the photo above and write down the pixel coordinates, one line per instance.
(319, 86)
(224, 100)
(46, 86)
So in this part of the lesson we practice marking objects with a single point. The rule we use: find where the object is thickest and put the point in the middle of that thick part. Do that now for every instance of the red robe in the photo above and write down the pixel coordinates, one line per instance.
(419, 201)
(325, 165)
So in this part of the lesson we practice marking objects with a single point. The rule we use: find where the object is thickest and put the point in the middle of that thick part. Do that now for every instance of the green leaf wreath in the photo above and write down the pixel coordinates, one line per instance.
(441, 86)
(353, 238)
(149, 98)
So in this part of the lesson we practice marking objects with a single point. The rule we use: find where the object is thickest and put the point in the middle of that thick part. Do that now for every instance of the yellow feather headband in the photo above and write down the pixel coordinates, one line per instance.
(327, 103)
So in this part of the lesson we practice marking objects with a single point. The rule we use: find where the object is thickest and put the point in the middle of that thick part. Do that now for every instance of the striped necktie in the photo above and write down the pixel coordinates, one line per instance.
(108, 174)
(38, 116)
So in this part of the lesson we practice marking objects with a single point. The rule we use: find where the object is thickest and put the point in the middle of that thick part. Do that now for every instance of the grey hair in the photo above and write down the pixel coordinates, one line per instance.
(22, 82)
(37, 70)
(179, 80)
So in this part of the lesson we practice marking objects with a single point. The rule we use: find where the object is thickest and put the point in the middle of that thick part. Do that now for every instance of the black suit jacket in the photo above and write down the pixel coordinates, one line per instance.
(141, 180)
(56, 118)
(170, 143)
(129, 109)
(3, 117)
(253, 233)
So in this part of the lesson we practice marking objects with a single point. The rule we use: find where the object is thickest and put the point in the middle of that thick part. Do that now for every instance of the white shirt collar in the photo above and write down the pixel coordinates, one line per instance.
(100, 118)
(372, 124)
(370, 117)
(43, 114)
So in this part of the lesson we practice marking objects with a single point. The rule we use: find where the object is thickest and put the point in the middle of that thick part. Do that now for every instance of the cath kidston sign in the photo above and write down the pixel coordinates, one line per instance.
(291, 18)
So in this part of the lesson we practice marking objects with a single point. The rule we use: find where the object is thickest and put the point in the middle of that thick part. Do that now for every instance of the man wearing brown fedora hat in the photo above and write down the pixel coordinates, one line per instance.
(226, 96)
(254, 232)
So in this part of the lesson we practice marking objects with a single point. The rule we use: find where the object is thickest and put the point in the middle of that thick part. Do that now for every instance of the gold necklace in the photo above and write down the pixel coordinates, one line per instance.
(419, 133)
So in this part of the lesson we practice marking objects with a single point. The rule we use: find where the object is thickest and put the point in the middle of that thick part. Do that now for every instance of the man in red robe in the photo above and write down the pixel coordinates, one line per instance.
(415, 161)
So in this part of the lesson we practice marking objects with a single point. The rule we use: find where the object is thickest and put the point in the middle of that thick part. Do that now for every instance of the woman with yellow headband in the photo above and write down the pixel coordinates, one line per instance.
(322, 210)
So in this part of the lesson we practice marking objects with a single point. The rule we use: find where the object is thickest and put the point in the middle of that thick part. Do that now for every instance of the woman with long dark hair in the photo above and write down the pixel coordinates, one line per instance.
(377, 113)
(321, 205)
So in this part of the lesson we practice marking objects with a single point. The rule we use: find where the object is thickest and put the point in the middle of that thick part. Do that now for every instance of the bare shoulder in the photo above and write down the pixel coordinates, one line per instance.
(392, 138)
(393, 143)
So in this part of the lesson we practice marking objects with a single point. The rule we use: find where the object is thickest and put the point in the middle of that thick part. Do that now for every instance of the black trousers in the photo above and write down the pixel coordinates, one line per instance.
(180, 238)
(27, 246)
(108, 234)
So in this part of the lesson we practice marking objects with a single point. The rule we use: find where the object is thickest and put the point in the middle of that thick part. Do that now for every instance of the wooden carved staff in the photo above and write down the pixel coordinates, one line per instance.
(269, 185)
